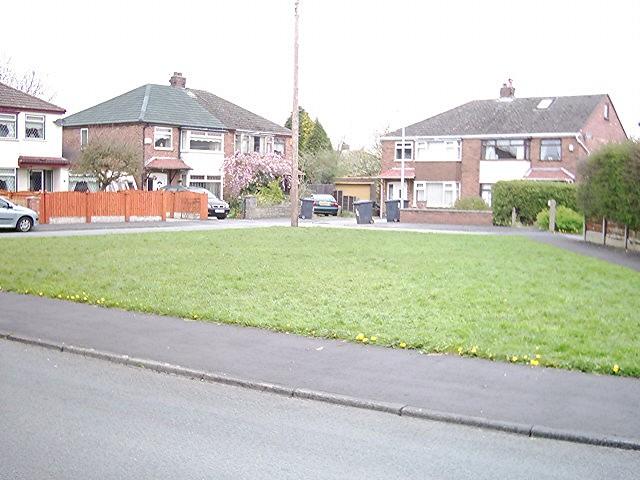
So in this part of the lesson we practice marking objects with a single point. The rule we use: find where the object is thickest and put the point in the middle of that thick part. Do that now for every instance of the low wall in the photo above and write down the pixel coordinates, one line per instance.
(252, 211)
(446, 216)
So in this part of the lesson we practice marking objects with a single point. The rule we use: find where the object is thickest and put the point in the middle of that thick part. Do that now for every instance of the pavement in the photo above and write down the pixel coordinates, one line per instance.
(598, 409)
(64, 416)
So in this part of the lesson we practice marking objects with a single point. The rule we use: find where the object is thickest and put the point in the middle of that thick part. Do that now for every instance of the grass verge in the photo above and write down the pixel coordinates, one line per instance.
(496, 297)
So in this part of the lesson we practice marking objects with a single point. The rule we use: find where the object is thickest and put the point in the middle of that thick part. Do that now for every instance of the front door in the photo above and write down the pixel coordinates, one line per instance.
(36, 180)
(394, 191)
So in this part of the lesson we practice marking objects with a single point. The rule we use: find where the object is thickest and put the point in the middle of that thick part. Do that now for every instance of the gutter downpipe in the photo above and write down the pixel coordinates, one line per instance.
(581, 143)
(402, 192)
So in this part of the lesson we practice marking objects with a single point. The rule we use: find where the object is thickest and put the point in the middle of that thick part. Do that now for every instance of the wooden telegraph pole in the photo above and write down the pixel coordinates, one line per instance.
(295, 125)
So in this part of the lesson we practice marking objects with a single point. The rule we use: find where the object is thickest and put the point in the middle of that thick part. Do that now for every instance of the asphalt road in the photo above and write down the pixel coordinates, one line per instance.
(65, 416)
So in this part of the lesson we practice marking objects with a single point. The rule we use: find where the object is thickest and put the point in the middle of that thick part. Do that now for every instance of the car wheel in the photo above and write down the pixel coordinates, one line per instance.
(24, 224)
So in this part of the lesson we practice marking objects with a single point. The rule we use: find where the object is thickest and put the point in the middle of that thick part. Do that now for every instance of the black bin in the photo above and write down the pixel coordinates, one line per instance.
(306, 208)
(364, 211)
(393, 210)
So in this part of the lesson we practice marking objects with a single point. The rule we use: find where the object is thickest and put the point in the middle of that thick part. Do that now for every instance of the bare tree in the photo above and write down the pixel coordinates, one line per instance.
(28, 82)
(108, 162)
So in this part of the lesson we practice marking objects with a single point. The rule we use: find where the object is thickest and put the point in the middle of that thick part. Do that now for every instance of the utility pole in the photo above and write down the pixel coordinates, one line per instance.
(295, 126)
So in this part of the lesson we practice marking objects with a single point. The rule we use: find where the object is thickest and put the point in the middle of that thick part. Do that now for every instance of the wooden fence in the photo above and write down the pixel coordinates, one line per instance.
(123, 206)
(606, 232)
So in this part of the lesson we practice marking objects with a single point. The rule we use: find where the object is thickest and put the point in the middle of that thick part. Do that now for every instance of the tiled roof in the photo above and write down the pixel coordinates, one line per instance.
(163, 163)
(550, 174)
(12, 98)
(159, 104)
(515, 116)
(24, 161)
(235, 117)
(167, 105)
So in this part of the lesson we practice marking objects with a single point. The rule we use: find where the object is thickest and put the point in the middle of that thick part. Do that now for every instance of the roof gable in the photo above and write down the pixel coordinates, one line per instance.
(13, 98)
(516, 116)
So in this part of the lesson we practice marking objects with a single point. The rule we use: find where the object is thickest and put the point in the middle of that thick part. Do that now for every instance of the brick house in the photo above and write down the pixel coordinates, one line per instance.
(30, 143)
(182, 134)
(464, 151)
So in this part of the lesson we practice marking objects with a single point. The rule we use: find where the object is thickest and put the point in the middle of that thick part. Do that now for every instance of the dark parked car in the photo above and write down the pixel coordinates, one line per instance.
(217, 208)
(325, 205)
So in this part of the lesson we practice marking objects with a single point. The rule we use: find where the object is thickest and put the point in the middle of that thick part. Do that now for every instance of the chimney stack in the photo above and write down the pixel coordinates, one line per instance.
(508, 90)
(177, 80)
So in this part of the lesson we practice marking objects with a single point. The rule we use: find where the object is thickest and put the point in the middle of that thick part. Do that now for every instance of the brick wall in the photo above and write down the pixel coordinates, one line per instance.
(446, 216)
(470, 169)
(130, 135)
(599, 131)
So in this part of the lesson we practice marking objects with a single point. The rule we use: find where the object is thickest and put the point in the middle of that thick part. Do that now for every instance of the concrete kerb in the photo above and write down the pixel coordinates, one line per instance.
(336, 399)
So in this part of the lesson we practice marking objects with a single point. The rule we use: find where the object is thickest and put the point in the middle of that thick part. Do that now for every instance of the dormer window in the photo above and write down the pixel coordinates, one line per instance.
(544, 103)
(606, 111)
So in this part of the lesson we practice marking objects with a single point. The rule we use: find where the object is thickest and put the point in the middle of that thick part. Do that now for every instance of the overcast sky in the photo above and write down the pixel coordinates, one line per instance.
(364, 65)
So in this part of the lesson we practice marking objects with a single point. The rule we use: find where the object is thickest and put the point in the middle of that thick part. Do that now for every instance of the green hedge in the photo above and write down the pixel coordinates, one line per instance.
(567, 220)
(610, 186)
(529, 198)
(471, 203)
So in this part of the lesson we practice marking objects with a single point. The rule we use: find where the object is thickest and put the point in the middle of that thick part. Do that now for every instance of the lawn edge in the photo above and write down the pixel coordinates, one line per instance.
(533, 431)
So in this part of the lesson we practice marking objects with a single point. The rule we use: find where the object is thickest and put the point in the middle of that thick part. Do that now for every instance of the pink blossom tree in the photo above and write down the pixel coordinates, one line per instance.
(246, 172)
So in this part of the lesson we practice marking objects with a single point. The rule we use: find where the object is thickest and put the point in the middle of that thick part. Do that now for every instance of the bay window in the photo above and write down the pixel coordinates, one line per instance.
(438, 150)
(505, 149)
(407, 149)
(551, 149)
(8, 125)
(34, 126)
(163, 138)
(437, 194)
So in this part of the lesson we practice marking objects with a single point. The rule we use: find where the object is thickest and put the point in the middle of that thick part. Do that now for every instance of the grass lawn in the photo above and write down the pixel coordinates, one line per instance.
(500, 297)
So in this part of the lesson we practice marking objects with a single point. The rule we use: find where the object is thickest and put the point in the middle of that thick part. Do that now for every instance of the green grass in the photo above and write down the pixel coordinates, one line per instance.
(489, 296)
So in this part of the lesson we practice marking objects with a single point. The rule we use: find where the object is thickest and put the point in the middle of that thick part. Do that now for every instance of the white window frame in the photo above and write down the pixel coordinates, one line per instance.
(5, 117)
(422, 145)
(201, 135)
(10, 173)
(40, 119)
(161, 132)
(408, 145)
(542, 159)
(84, 132)
(486, 192)
(605, 113)
(279, 145)
(447, 186)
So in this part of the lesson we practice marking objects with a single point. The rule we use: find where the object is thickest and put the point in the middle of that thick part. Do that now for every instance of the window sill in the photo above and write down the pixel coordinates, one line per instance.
(6, 139)
(504, 160)
(439, 161)
(165, 149)
(37, 140)
(551, 160)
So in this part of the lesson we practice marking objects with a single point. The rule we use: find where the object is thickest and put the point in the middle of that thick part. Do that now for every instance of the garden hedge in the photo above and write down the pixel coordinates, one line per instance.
(610, 186)
(529, 198)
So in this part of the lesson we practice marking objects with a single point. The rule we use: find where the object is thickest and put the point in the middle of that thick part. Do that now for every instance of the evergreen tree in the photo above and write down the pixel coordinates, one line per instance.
(306, 128)
(318, 141)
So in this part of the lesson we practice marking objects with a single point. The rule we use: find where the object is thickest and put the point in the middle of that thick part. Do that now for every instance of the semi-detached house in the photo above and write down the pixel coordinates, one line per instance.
(463, 152)
(182, 134)
(30, 143)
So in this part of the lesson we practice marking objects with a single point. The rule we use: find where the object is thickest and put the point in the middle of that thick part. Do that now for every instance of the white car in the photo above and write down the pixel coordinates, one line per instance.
(16, 217)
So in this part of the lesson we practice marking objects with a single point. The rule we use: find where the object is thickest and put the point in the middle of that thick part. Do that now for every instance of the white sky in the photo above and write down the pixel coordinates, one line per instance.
(364, 65)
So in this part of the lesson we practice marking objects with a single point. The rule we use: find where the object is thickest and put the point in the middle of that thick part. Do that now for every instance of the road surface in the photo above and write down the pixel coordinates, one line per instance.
(65, 416)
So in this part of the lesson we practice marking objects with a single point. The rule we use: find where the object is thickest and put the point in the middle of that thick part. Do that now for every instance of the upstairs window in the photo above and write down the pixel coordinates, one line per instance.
(84, 137)
(34, 126)
(8, 125)
(606, 111)
(278, 146)
(551, 149)
(505, 149)
(438, 150)
(203, 141)
(163, 138)
(407, 149)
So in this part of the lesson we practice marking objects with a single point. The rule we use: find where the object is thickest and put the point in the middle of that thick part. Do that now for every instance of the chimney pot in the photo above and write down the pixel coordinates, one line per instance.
(507, 90)
(177, 80)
